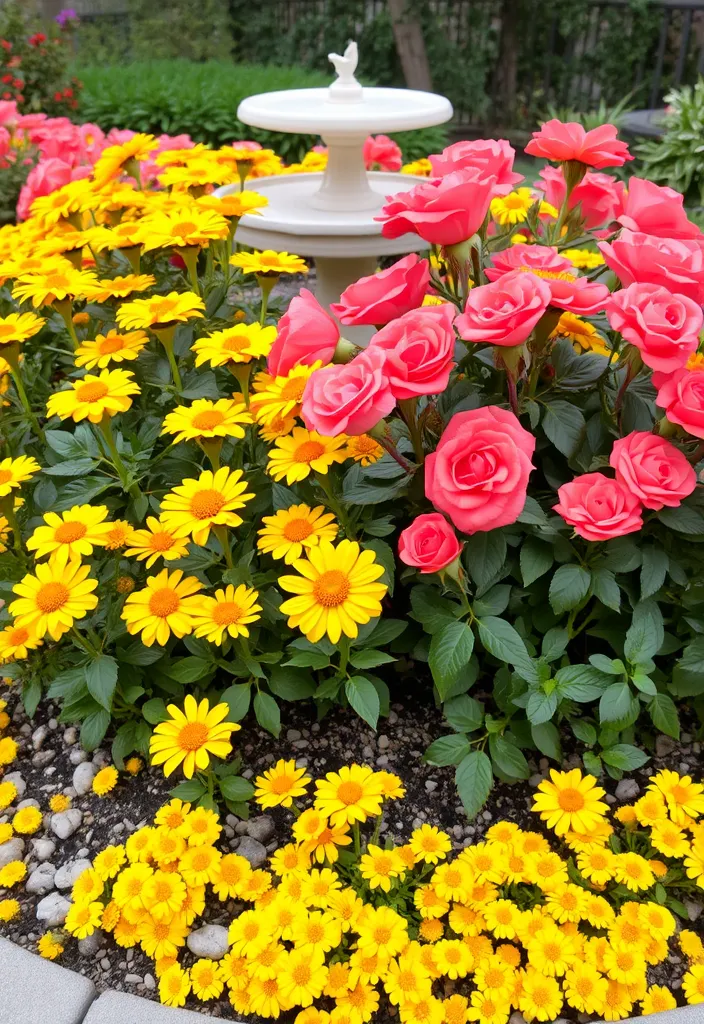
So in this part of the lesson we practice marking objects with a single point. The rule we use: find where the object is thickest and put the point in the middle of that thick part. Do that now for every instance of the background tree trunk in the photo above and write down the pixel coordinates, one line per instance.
(410, 46)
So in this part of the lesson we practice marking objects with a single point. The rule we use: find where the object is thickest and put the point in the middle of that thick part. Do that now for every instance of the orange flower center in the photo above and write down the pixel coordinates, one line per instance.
(453, 878)
(161, 930)
(227, 612)
(92, 392)
(308, 451)
(52, 596)
(230, 872)
(57, 281)
(184, 227)
(383, 865)
(111, 343)
(236, 342)
(282, 784)
(208, 419)
(630, 932)
(5, 476)
(162, 312)
(540, 996)
(162, 892)
(6, 330)
(331, 589)
(70, 531)
(316, 933)
(552, 951)
(192, 737)
(599, 861)
(349, 793)
(297, 529)
(161, 541)
(201, 860)
(301, 974)
(550, 275)
(206, 504)
(293, 389)
(18, 636)
(570, 800)
(164, 602)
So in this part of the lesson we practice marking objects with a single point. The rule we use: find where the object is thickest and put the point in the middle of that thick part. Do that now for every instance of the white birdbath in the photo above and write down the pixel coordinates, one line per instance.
(330, 215)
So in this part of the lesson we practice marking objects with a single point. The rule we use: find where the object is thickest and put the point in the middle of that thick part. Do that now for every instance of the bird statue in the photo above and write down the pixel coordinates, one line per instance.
(345, 88)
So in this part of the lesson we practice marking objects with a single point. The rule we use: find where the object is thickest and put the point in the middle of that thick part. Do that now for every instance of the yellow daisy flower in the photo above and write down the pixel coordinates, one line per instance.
(160, 311)
(667, 838)
(279, 427)
(289, 531)
(163, 607)
(281, 396)
(352, 794)
(94, 397)
(684, 798)
(78, 530)
(337, 589)
(44, 289)
(268, 263)
(279, 785)
(82, 919)
(229, 611)
(192, 226)
(421, 168)
(16, 642)
(155, 541)
(60, 593)
(633, 871)
(116, 159)
(303, 452)
(174, 986)
(49, 946)
(8, 793)
(583, 259)
(583, 335)
(570, 802)
(17, 327)
(188, 737)
(15, 472)
(364, 449)
(541, 997)
(206, 420)
(119, 287)
(27, 820)
(238, 344)
(197, 506)
(235, 204)
(9, 910)
(380, 867)
(430, 844)
(119, 534)
(105, 781)
(512, 208)
(110, 348)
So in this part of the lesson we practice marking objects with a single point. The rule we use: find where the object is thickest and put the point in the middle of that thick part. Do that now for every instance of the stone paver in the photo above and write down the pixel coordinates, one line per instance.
(119, 1008)
(682, 1015)
(35, 991)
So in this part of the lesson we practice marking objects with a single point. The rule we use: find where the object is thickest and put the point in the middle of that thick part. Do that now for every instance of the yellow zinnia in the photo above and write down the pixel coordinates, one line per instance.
(289, 531)
(16, 642)
(281, 396)
(119, 287)
(229, 612)
(14, 472)
(303, 452)
(52, 286)
(94, 396)
(78, 530)
(156, 541)
(197, 506)
(352, 794)
(181, 228)
(235, 204)
(207, 420)
(17, 327)
(268, 262)
(110, 348)
(188, 737)
(238, 344)
(364, 449)
(160, 311)
(337, 589)
(278, 786)
(570, 802)
(163, 607)
(51, 601)
(115, 159)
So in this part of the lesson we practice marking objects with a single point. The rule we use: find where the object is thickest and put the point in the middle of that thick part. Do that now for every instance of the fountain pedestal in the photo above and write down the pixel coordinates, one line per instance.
(330, 215)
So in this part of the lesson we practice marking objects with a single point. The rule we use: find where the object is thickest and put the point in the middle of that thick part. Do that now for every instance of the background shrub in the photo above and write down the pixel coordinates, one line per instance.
(34, 60)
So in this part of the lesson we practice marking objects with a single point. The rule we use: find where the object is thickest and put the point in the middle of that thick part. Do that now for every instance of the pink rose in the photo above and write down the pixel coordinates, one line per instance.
(379, 298)
(46, 177)
(350, 398)
(598, 507)
(664, 327)
(561, 141)
(504, 312)
(92, 141)
(381, 153)
(9, 115)
(306, 333)
(429, 543)
(479, 472)
(443, 211)
(652, 469)
(116, 136)
(568, 290)
(672, 263)
(419, 351)
(599, 196)
(681, 395)
(492, 157)
(656, 210)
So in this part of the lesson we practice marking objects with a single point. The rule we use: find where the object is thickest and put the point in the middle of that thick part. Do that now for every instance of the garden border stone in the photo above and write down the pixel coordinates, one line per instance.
(34, 984)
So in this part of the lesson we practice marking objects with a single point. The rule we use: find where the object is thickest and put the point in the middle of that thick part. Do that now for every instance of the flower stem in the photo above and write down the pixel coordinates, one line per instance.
(408, 408)
(122, 471)
(335, 506)
(7, 508)
(357, 839)
(22, 395)
(224, 538)
(63, 308)
(166, 337)
(266, 283)
(344, 648)
(241, 372)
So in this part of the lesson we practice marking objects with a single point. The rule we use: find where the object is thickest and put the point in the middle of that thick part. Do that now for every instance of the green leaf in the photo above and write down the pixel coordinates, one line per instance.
(370, 658)
(575, 371)
(532, 514)
(508, 758)
(237, 698)
(644, 683)
(664, 716)
(72, 467)
(568, 587)
(547, 739)
(31, 695)
(684, 519)
(380, 633)
(645, 634)
(308, 659)
(608, 665)
(541, 707)
(625, 757)
(233, 787)
(503, 641)
(363, 698)
(447, 750)
(101, 679)
(385, 557)
(189, 791)
(123, 744)
(267, 712)
(606, 589)
(154, 711)
(592, 762)
(582, 683)
(554, 643)
(564, 425)
(94, 728)
(485, 553)
(450, 651)
(463, 713)
(290, 684)
(688, 675)
(536, 558)
(615, 702)
(137, 654)
(653, 571)
(188, 670)
(474, 779)
(584, 731)
(431, 610)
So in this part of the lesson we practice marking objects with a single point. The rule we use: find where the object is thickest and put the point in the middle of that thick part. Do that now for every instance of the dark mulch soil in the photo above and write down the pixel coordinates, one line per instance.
(50, 753)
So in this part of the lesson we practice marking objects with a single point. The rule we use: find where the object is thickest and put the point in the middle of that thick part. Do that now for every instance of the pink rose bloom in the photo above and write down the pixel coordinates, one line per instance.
(30, 122)
(681, 395)
(673, 263)
(652, 469)
(382, 297)
(479, 472)
(429, 543)
(245, 144)
(383, 152)
(46, 177)
(92, 141)
(443, 211)
(656, 210)
(419, 349)
(350, 398)
(58, 138)
(9, 114)
(506, 311)
(306, 333)
(5, 142)
(116, 136)
(663, 327)
(568, 290)
(599, 196)
(492, 157)
(598, 507)
(561, 141)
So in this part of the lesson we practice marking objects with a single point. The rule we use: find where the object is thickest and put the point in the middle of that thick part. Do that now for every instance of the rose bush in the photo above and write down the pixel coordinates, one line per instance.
(215, 498)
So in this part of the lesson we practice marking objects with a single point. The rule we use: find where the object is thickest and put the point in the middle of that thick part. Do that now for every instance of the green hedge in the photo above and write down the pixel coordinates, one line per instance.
(176, 96)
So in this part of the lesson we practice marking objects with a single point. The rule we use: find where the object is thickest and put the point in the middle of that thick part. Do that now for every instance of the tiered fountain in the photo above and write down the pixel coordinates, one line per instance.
(330, 215)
